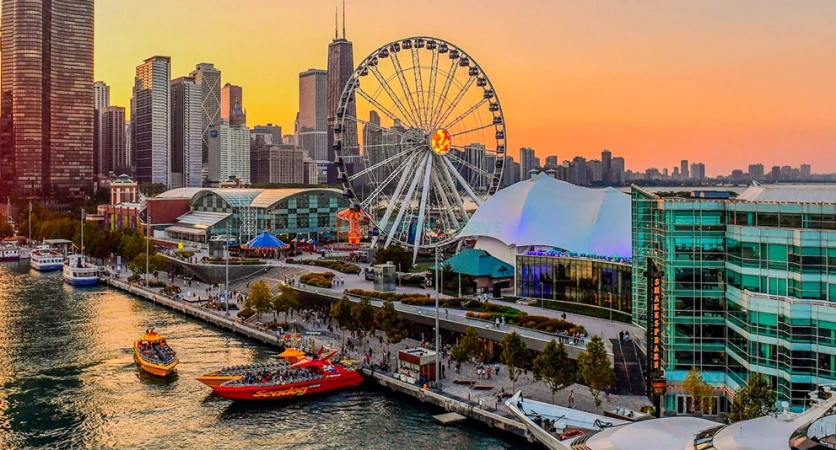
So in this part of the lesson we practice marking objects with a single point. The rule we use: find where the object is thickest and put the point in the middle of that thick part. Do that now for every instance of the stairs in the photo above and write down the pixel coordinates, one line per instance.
(628, 369)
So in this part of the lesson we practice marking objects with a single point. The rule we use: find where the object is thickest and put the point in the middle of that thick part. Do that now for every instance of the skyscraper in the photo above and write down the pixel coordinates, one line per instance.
(232, 105)
(47, 96)
(312, 121)
(101, 95)
(209, 79)
(756, 172)
(551, 162)
(474, 155)
(805, 172)
(683, 169)
(617, 170)
(114, 156)
(274, 131)
(229, 152)
(150, 119)
(527, 162)
(186, 133)
(340, 68)
(698, 171)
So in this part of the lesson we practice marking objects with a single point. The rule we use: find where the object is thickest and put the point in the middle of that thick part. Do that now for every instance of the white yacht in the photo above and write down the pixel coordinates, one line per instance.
(45, 259)
(79, 272)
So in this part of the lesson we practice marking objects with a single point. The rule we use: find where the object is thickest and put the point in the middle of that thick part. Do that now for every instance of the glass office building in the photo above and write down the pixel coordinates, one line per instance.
(563, 277)
(749, 286)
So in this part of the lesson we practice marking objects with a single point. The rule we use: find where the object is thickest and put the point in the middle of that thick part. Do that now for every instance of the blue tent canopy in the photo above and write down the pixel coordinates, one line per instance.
(265, 240)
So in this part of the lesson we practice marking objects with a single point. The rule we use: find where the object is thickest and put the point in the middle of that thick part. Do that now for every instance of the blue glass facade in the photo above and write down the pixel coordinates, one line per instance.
(748, 287)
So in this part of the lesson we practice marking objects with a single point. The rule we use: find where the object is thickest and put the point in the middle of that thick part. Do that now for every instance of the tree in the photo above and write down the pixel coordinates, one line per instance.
(137, 264)
(341, 312)
(6, 229)
(554, 368)
(390, 322)
(595, 368)
(158, 263)
(260, 298)
(514, 355)
(468, 347)
(701, 391)
(755, 399)
(363, 315)
(285, 300)
(398, 255)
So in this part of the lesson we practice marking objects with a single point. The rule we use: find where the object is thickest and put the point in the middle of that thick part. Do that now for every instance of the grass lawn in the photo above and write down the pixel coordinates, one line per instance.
(420, 267)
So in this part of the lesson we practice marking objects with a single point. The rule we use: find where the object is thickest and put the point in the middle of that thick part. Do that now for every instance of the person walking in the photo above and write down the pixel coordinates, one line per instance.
(572, 399)
(488, 371)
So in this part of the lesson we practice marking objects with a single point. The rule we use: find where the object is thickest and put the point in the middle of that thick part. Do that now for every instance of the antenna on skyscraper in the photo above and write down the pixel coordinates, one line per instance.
(336, 23)
(343, 19)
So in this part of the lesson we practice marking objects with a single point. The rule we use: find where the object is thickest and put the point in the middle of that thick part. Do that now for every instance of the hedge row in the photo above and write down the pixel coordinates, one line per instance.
(541, 323)
(466, 304)
(578, 308)
(395, 297)
(339, 266)
(322, 280)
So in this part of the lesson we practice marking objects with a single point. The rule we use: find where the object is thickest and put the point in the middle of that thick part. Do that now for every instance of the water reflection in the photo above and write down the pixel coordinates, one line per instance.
(68, 380)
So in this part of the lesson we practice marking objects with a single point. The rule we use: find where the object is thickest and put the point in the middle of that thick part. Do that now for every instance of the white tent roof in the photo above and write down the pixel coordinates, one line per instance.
(788, 193)
(548, 212)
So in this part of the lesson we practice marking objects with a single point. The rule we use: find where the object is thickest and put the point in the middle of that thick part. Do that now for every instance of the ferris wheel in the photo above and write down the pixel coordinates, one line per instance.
(419, 138)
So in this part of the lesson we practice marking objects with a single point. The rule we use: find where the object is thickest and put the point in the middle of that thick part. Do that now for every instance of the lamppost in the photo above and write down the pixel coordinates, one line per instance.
(437, 343)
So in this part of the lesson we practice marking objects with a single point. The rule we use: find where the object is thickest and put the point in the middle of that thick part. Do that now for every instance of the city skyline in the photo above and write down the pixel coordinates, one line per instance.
(655, 82)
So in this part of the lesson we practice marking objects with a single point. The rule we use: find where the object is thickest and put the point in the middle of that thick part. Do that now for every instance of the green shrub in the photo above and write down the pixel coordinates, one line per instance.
(246, 313)
(322, 280)
(133, 277)
(156, 284)
(339, 266)
(577, 308)
(184, 253)
(378, 295)
(465, 303)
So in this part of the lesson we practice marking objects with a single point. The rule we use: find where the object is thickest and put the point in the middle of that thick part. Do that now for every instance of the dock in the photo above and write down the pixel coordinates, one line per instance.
(449, 418)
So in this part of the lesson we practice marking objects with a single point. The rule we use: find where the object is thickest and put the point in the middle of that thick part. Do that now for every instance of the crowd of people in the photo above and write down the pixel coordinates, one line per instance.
(276, 377)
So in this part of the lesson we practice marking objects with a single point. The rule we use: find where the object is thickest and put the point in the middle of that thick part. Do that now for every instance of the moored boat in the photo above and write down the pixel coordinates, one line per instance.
(79, 272)
(44, 259)
(218, 377)
(304, 378)
(153, 355)
(9, 251)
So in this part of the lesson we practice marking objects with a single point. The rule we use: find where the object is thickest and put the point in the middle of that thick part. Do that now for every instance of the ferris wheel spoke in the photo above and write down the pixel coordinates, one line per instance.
(384, 83)
(470, 166)
(380, 107)
(379, 127)
(419, 231)
(419, 85)
(444, 90)
(405, 175)
(472, 130)
(379, 188)
(465, 184)
(451, 107)
(397, 155)
(465, 114)
(431, 90)
(396, 62)
(405, 204)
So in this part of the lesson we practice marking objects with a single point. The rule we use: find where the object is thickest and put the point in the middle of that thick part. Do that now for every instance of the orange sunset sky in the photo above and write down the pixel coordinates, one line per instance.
(724, 82)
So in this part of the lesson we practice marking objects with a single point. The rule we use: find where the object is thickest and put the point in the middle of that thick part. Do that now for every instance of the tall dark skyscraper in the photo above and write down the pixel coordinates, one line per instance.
(209, 79)
(46, 85)
(340, 68)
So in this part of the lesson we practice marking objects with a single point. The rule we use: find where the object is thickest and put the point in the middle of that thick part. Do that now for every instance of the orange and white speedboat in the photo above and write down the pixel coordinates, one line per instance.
(218, 377)
(153, 355)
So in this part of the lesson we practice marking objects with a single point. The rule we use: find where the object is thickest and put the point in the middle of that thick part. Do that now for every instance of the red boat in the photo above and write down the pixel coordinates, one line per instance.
(303, 378)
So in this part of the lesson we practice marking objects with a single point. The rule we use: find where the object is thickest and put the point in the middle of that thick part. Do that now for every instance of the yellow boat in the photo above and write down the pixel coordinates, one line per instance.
(218, 377)
(153, 355)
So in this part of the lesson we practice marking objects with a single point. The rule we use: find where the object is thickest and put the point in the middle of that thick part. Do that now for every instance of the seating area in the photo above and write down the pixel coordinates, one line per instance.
(155, 353)
(251, 368)
(274, 377)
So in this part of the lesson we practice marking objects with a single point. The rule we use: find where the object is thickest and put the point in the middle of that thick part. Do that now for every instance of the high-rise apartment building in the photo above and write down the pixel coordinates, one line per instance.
(312, 120)
(595, 170)
(617, 170)
(805, 172)
(276, 163)
(474, 155)
(775, 173)
(339, 70)
(756, 172)
(684, 169)
(46, 98)
(229, 152)
(130, 161)
(186, 133)
(101, 95)
(527, 162)
(551, 162)
(578, 174)
(151, 120)
(697, 172)
(232, 105)
(786, 173)
(114, 156)
(209, 79)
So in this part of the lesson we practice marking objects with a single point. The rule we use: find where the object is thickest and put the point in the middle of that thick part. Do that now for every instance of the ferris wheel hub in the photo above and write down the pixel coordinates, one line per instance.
(440, 141)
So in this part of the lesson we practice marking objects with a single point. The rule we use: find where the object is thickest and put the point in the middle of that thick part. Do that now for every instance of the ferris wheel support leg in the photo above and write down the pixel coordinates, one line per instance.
(424, 192)
(401, 183)
(455, 192)
(404, 205)
(464, 183)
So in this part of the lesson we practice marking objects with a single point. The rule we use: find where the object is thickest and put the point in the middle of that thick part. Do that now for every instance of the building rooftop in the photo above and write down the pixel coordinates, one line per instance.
(478, 263)
(790, 193)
